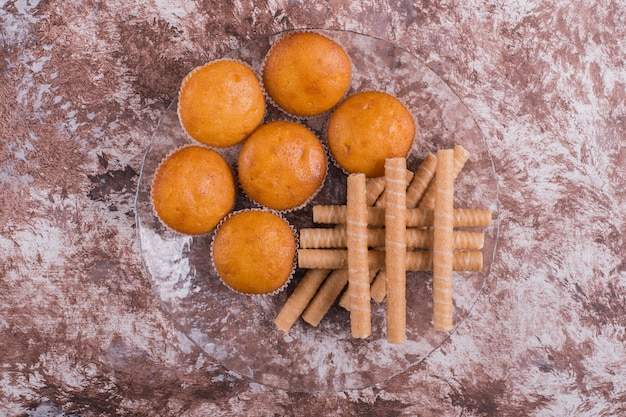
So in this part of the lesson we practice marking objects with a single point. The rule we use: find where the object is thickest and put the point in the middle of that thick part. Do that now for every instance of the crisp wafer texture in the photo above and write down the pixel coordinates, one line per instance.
(378, 289)
(468, 217)
(344, 300)
(323, 238)
(461, 155)
(417, 238)
(325, 297)
(421, 180)
(416, 217)
(443, 243)
(464, 240)
(373, 189)
(395, 248)
(322, 258)
(300, 298)
(358, 272)
(415, 260)
(381, 202)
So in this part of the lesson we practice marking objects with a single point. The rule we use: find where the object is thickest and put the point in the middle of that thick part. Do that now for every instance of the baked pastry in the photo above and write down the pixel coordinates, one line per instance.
(367, 128)
(221, 103)
(193, 189)
(306, 73)
(254, 252)
(282, 165)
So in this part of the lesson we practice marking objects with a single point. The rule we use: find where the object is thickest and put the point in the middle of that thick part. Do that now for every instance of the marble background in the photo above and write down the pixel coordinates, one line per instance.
(83, 85)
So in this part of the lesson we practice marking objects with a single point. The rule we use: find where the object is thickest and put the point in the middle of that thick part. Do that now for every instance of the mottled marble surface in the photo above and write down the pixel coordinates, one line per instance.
(85, 83)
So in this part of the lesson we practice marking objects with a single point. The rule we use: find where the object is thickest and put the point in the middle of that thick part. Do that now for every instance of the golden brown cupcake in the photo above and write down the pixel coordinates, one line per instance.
(193, 189)
(282, 165)
(367, 128)
(306, 73)
(221, 103)
(254, 252)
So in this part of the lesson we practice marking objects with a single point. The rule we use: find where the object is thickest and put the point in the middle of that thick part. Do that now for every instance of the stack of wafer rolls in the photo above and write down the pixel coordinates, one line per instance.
(404, 221)
(320, 294)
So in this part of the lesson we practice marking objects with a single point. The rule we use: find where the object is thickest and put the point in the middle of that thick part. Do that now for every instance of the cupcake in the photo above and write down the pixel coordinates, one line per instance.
(254, 252)
(193, 190)
(306, 73)
(367, 128)
(282, 165)
(221, 103)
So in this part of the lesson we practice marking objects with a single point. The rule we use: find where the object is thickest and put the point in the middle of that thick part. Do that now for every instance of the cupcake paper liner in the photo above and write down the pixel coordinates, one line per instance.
(294, 262)
(270, 99)
(194, 70)
(167, 156)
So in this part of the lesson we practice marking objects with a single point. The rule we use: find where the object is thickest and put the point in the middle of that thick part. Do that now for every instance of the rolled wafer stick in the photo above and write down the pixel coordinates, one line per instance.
(329, 214)
(415, 260)
(374, 187)
(325, 238)
(416, 217)
(319, 238)
(469, 217)
(322, 258)
(378, 288)
(325, 297)
(344, 300)
(465, 240)
(421, 180)
(443, 243)
(414, 193)
(395, 249)
(358, 271)
(383, 197)
(461, 155)
(300, 298)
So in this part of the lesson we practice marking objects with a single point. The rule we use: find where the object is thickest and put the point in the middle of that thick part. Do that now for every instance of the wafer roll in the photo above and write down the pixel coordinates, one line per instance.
(416, 238)
(468, 217)
(344, 300)
(461, 155)
(416, 217)
(415, 260)
(300, 298)
(322, 258)
(443, 244)
(378, 289)
(325, 297)
(320, 238)
(464, 240)
(358, 271)
(383, 197)
(395, 249)
(374, 187)
(421, 180)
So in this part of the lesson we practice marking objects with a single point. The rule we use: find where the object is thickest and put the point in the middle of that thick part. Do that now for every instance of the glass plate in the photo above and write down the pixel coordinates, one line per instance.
(238, 331)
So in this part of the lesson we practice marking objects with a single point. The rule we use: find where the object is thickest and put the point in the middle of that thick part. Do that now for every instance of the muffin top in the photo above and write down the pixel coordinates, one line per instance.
(282, 165)
(367, 128)
(193, 189)
(306, 73)
(254, 251)
(221, 103)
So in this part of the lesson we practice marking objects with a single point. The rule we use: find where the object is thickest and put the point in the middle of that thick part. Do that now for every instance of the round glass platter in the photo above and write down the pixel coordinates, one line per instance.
(239, 331)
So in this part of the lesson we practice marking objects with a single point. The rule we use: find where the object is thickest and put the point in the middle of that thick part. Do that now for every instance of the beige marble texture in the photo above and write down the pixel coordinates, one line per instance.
(85, 83)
